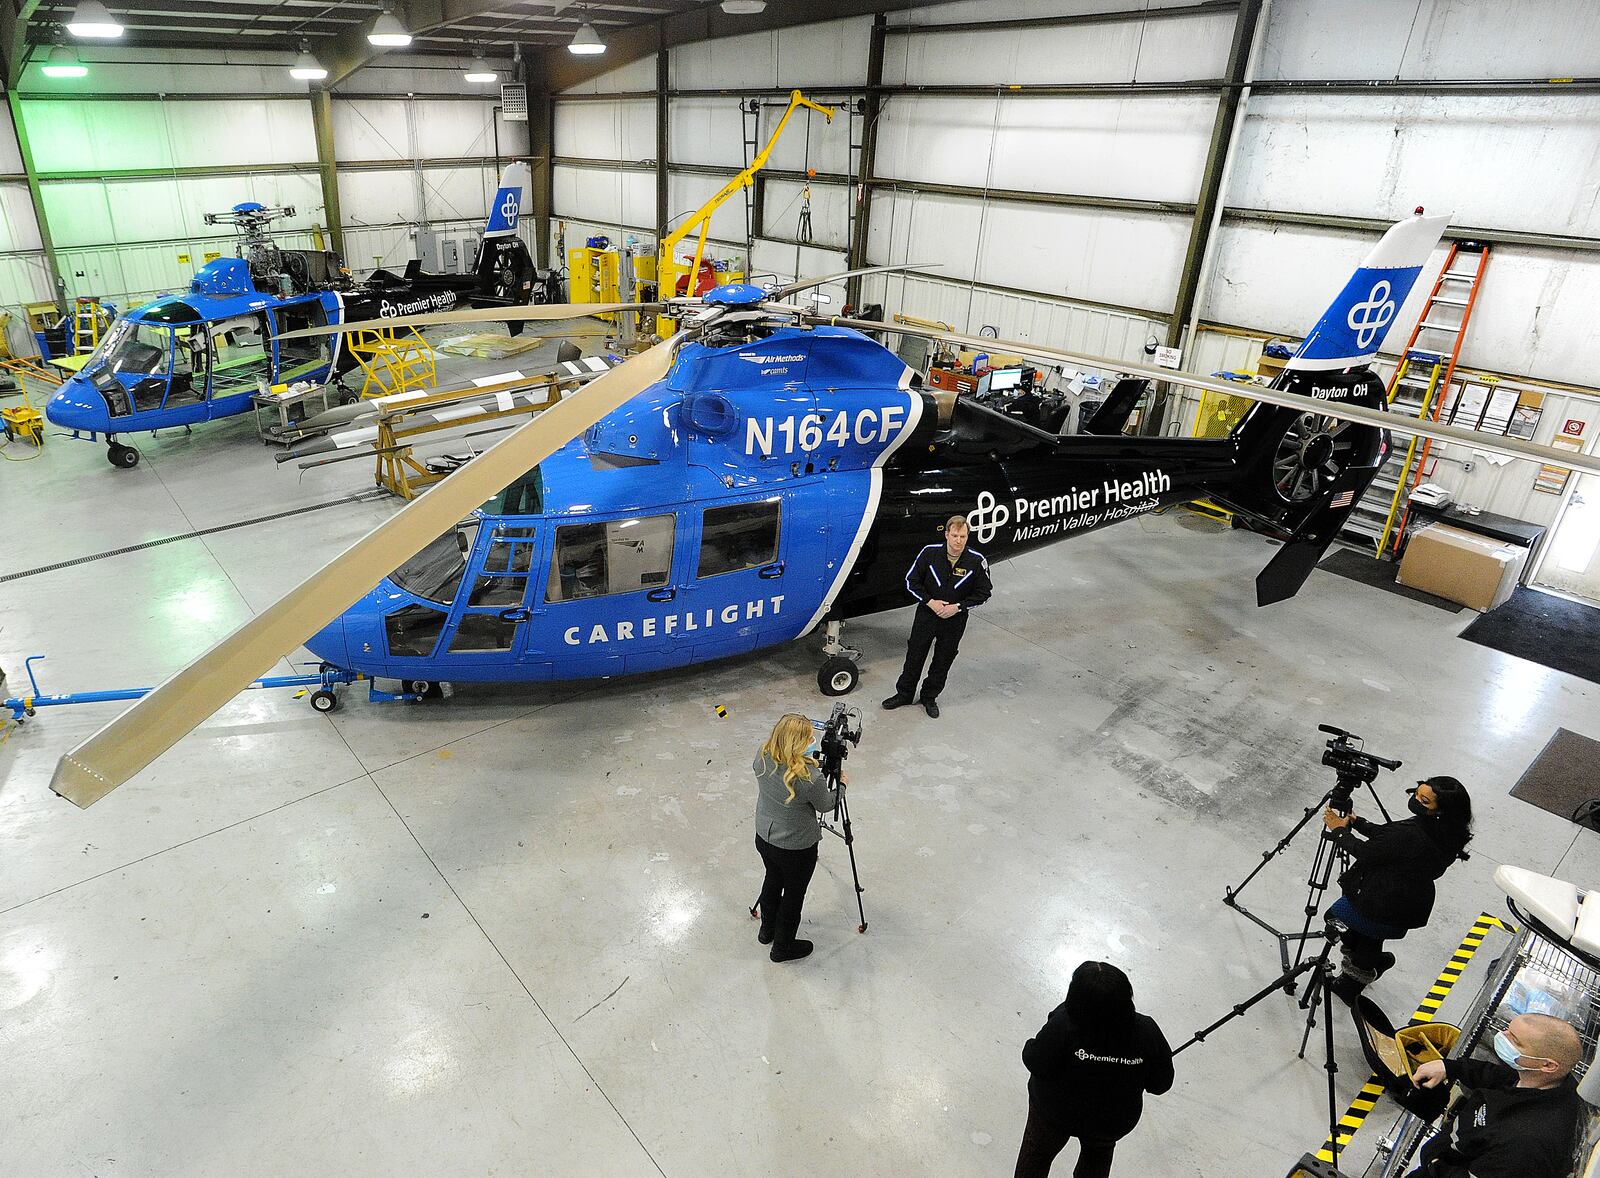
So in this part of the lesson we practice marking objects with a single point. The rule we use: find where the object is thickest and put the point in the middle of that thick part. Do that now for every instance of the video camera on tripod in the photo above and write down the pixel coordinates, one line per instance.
(1354, 766)
(840, 733)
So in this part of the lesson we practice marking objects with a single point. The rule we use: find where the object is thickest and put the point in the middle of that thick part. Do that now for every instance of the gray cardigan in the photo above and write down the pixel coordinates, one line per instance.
(790, 825)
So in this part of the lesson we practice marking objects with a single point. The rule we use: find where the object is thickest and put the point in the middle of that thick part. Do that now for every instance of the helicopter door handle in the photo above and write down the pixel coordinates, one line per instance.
(661, 594)
(772, 572)
(520, 614)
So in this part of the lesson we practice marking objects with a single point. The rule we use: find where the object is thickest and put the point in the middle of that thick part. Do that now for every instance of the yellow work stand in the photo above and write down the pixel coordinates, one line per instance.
(395, 360)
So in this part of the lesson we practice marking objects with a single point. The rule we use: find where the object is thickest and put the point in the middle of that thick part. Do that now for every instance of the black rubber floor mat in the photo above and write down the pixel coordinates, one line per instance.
(1380, 574)
(1564, 775)
(1552, 631)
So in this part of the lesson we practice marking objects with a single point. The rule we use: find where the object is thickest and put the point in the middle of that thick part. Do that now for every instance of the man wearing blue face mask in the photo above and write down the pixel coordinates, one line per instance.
(1517, 1118)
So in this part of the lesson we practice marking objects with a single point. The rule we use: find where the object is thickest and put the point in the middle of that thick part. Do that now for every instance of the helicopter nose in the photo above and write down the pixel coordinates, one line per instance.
(331, 644)
(73, 407)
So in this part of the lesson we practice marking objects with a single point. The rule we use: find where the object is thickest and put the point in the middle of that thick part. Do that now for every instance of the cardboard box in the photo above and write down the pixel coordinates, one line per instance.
(1460, 566)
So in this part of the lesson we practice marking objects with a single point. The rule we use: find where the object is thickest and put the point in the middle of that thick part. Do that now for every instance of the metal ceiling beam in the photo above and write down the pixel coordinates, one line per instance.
(14, 28)
(58, 289)
(872, 110)
(1205, 8)
(327, 169)
(350, 50)
(1208, 203)
(705, 23)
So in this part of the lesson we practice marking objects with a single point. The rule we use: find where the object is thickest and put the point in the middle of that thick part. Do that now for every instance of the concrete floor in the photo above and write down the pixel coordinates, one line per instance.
(506, 933)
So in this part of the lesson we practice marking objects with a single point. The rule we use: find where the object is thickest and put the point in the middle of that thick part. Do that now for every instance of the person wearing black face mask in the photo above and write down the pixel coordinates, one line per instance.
(1388, 889)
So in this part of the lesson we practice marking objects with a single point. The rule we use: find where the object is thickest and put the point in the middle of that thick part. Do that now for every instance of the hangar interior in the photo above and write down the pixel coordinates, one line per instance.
(506, 928)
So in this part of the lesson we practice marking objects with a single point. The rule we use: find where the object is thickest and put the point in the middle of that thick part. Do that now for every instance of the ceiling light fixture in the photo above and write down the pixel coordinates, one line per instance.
(387, 32)
(306, 67)
(586, 42)
(743, 7)
(92, 19)
(63, 63)
(479, 71)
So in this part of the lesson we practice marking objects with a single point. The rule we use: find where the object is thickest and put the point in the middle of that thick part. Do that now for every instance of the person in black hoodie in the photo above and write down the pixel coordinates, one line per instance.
(1388, 889)
(1089, 1068)
(1518, 1118)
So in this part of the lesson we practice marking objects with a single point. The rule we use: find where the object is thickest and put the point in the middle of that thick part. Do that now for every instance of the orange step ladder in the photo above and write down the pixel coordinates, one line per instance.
(1443, 322)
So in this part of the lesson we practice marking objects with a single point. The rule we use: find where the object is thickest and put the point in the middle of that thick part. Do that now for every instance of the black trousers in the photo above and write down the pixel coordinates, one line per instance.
(1044, 1138)
(1364, 951)
(928, 629)
(783, 891)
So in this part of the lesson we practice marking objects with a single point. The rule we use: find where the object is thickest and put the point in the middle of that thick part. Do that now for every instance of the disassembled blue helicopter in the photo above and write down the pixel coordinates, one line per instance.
(766, 470)
(186, 359)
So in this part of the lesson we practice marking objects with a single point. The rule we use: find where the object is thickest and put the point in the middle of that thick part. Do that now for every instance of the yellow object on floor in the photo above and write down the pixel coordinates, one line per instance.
(395, 360)
(489, 345)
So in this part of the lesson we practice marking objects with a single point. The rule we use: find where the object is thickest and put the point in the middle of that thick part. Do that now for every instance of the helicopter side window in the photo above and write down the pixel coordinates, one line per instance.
(744, 536)
(435, 572)
(523, 497)
(619, 556)
(413, 630)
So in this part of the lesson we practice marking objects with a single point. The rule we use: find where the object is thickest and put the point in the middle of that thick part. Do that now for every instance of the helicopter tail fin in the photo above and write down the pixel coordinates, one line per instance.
(1299, 476)
(505, 268)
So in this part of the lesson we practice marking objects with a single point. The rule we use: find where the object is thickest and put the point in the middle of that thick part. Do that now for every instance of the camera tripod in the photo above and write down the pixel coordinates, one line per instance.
(1318, 995)
(1329, 854)
(842, 813)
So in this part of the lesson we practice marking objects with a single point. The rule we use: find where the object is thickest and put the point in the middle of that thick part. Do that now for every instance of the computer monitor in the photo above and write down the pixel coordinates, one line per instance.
(1003, 380)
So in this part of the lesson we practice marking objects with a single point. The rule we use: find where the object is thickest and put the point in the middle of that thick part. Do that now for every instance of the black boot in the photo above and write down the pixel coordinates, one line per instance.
(769, 924)
(786, 947)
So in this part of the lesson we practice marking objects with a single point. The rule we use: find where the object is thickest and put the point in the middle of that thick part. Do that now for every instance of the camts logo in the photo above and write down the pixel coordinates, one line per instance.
(1369, 318)
(987, 518)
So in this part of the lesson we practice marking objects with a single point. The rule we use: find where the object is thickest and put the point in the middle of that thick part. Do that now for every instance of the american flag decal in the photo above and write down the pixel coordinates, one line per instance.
(1343, 500)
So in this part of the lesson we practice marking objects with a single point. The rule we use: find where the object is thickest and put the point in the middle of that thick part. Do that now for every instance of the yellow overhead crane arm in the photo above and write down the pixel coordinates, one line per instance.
(667, 270)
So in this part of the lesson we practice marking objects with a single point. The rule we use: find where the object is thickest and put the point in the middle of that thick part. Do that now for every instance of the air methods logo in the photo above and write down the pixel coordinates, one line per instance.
(988, 517)
(1369, 318)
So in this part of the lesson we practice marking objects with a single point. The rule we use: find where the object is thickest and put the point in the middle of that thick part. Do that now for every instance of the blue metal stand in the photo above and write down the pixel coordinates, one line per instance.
(323, 698)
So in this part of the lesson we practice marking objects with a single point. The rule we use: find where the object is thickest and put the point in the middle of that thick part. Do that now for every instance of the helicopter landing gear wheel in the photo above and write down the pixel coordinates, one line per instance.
(125, 457)
(324, 701)
(838, 676)
(423, 688)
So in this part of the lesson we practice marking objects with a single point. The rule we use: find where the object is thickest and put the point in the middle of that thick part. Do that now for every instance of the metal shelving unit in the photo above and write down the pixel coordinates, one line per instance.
(1532, 960)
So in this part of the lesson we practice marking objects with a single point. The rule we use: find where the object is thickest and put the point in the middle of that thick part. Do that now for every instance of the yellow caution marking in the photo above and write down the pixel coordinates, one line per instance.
(1373, 1089)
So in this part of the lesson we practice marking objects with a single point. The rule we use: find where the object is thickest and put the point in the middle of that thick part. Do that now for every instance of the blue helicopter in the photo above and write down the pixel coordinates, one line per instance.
(767, 470)
(199, 356)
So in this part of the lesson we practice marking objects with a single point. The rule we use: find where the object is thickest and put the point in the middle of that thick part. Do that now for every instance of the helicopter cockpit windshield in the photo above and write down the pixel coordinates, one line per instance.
(435, 573)
(130, 366)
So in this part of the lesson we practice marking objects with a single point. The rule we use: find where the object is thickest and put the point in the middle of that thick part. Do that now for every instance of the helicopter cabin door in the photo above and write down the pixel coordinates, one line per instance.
(302, 359)
(610, 596)
(484, 631)
(741, 592)
(241, 355)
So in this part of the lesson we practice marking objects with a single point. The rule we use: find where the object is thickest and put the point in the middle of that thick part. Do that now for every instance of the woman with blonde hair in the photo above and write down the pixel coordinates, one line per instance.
(791, 790)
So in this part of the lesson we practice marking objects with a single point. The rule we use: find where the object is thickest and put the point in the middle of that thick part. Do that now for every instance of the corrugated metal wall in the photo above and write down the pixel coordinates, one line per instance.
(125, 231)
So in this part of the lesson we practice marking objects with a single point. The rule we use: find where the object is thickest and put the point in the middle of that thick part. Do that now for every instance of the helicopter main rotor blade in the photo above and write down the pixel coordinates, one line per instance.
(533, 314)
(785, 291)
(1439, 432)
(160, 719)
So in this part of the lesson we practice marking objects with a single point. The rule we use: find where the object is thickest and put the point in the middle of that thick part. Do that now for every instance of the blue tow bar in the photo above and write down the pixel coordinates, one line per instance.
(323, 698)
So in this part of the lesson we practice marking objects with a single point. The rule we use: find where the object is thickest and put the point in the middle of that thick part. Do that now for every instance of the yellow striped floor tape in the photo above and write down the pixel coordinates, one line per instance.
(1372, 1090)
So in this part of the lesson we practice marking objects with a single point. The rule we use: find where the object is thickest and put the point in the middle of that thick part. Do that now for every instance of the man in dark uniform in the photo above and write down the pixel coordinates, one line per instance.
(1517, 1118)
(947, 580)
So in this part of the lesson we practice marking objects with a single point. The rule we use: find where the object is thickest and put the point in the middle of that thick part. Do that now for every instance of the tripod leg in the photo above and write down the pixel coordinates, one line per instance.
(1286, 982)
(1330, 1063)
